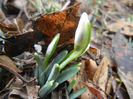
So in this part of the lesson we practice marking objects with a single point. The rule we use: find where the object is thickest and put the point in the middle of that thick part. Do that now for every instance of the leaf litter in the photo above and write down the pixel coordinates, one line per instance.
(107, 65)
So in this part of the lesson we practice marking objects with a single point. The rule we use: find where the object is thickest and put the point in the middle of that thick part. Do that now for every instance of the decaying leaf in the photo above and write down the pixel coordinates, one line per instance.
(94, 91)
(125, 27)
(91, 68)
(101, 75)
(123, 54)
(93, 52)
(64, 22)
(6, 63)
(32, 91)
(16, 44)
(17, 93)
(6, 26)
(23, 91)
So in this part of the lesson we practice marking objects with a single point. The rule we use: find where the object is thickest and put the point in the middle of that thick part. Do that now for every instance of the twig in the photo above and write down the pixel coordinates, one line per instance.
(66, 5)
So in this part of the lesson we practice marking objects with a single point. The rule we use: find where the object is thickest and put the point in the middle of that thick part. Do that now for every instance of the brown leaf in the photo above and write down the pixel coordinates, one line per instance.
(18, 90)
(32, 91)
(125, 27)
(16, 44)
(93, 52)
(20, 25)
(91, 68)
(101, 75)
(94, 91)
(6, 63)
(6, 26)
(64, 22)
(17, 93)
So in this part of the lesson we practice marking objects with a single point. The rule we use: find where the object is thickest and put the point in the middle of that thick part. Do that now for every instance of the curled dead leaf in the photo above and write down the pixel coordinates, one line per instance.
(94, 91)
(64, 22)
(7, 63)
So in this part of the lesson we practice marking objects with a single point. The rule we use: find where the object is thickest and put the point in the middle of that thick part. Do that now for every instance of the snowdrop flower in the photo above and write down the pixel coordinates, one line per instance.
(82, 39)
(83, 34)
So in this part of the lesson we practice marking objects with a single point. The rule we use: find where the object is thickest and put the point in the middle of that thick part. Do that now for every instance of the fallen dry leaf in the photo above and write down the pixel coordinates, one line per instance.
(123, 54)
(20, 90)
(32, 91)
(94, 53)
(16, 44)
(17, 93)
(64, 22)
(94, 91)
(6, 63)
(125, 27)
(101, 75)
(6, 26)
(91, 68)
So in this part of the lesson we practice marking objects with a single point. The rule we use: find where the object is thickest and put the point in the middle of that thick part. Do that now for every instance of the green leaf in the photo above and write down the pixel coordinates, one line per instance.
(53, 87)
(60, 57)
(54, 73)
(77, 93)
(39, 69)
(68, 73)
(70, 86)
(36, 73)
(50, 50)
(45, 89)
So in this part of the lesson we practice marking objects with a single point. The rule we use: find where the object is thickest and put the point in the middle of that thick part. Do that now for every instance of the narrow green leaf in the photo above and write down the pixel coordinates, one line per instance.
(70, 86)
(36, 73)
(77, 93)
(39, 69)
(53, 87)
(56, 60)
(44, 90)
(38, 60)
(54, 73)
(60, 57)
(50, 50)
(67, 73)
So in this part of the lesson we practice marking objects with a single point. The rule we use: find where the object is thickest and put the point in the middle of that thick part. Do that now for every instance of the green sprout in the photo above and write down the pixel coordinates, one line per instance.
(51, 75)
(82, 40)
(118, 80)
(46, 6)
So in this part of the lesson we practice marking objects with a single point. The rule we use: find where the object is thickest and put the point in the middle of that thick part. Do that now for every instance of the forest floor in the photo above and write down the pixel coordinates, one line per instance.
(28, 26)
